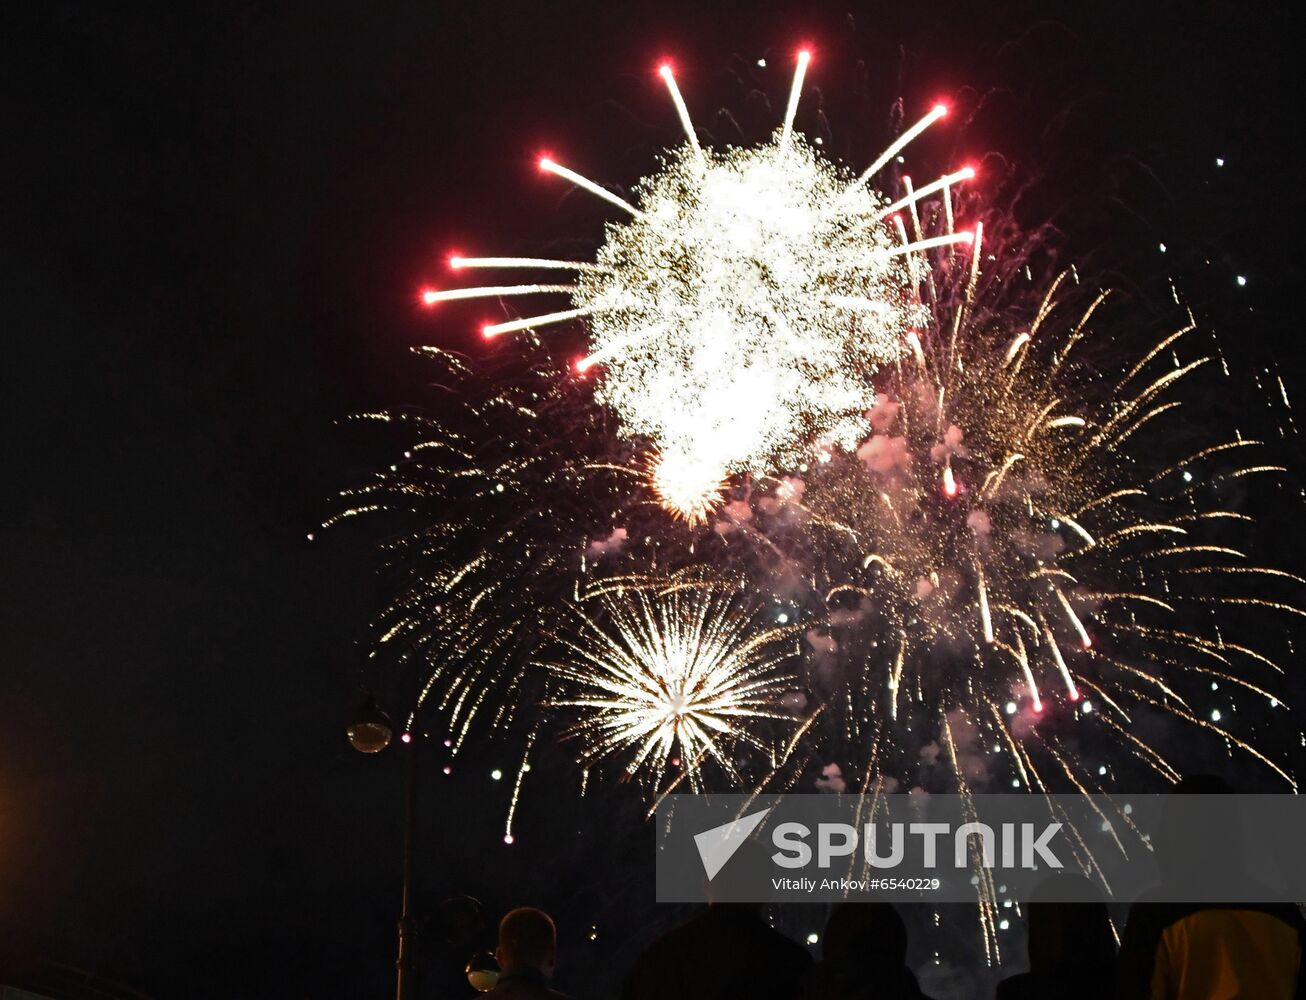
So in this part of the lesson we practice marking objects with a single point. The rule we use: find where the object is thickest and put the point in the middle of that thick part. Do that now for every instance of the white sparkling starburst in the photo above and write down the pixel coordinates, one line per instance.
(682, 673)
(739, 309)
(736, 315)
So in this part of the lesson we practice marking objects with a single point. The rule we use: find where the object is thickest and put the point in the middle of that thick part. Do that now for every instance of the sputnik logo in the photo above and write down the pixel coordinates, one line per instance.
(719, 844)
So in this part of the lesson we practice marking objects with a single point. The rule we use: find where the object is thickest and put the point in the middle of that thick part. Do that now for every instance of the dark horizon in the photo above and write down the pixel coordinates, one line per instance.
(219, 222)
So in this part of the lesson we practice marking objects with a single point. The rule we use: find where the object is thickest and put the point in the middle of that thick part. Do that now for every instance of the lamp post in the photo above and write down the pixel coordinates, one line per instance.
(370, 733)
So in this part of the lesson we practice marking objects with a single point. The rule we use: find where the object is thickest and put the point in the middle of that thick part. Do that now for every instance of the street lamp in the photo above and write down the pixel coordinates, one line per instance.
(370, 733)
(482, 971)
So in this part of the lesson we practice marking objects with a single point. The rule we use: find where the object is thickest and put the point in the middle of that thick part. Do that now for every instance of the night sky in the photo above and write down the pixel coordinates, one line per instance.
(217, 220)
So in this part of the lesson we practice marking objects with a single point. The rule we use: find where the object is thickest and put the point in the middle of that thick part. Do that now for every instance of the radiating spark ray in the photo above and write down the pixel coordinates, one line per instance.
(986, 618)
(550, 167)
(965, 173)
(431, 297)
(1071, 687)
(1085, 640)
(795, 92)
(531, 322)
(527, 263)
(929, 243)
(682, 111)
(901, 143)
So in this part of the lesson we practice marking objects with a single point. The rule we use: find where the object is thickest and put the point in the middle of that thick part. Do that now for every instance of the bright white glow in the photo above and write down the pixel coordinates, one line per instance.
(687, 486)
(950, 489)
(714, 345)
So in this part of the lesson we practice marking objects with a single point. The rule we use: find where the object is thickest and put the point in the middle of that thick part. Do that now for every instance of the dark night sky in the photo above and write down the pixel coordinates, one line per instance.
(215, 223)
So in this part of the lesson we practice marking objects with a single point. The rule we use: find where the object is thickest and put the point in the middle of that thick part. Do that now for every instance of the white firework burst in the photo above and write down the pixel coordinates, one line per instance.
(740, 306)
(684, 672)
(736, 314)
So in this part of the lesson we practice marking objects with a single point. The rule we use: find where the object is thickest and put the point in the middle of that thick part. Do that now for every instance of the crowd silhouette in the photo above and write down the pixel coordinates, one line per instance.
(1166, 951)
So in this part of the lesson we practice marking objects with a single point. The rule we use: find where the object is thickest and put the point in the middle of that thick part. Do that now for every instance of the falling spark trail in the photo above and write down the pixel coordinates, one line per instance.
(986, 617)
(1060, 661)
(1084, 638)
(522, 768)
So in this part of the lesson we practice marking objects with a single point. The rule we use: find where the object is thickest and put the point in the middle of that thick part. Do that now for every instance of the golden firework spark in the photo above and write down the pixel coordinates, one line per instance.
(1000, 520)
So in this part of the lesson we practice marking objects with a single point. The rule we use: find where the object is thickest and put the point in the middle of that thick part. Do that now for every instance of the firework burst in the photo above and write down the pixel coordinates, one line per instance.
(1009, 549)
(1029, 568)
(953, 482)
(677, 678)
(737, 309)
(498, 511)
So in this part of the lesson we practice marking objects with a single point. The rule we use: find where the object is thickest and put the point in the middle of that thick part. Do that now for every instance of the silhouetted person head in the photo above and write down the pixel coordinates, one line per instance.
(527, 940)
(860, 930)
(1199, 839)
(745, 881)
(1072, 931)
